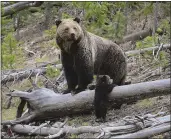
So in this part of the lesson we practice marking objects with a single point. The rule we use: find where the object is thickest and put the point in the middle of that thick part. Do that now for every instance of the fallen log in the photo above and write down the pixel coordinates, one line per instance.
(11, 9)
(114, 130)
(146, 132)
(141, 51)
(45, 104)
(25, 74)
(136, 36)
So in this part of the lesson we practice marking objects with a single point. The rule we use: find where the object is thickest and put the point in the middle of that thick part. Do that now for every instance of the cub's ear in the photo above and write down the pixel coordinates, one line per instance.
(57, 22)
(77, 19)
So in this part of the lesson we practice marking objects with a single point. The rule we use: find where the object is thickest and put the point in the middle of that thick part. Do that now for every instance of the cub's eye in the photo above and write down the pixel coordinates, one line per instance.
(66, 29)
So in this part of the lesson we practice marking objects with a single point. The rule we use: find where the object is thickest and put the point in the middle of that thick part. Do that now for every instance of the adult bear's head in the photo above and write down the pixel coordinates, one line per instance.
(69, 29)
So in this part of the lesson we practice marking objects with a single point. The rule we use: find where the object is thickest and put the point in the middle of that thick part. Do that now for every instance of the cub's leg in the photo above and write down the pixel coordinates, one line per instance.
(103, 89)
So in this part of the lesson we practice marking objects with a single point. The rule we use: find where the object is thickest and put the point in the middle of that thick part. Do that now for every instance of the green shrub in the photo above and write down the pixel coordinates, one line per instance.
(52, 71)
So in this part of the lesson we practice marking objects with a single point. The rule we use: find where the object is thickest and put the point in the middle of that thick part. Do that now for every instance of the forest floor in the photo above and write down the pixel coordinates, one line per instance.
(143, 69)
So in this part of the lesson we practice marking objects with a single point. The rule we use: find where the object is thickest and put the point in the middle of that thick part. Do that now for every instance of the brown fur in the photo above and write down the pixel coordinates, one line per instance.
(85, 54)
(103, 87)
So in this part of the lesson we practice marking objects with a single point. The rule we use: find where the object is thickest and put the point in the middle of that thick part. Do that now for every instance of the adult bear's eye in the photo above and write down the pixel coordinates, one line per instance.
(66, 29)
(75, 28)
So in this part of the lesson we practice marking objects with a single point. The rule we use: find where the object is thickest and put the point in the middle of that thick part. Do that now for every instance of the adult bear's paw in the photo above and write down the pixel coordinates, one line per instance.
(78, 90)
(67, 91)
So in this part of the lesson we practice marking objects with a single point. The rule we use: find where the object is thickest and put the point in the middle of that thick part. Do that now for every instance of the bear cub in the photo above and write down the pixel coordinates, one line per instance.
(103, 87)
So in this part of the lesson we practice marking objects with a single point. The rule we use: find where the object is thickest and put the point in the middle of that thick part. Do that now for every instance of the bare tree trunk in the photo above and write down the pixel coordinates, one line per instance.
(11, 9)
(155, 12)
(48, 14)
(59, 13)
(45, 104)
(155, 5)
(126, 16)
(17, 26)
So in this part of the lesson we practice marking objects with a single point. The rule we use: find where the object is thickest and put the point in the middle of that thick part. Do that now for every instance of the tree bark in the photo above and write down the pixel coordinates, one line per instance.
(11, 9)
(45, 104)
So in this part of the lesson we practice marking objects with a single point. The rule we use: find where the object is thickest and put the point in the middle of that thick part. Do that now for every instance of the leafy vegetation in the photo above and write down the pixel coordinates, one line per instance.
(100, 21)
(145, 103)
(9, 45)
(148, 9)
(52, 71)
(6, 115)
(165, 27)
(51, 32)
(10, 50)
(73, 136)
(149, 41)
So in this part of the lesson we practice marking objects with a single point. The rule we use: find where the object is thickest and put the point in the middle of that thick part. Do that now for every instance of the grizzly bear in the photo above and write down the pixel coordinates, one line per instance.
(103, 87)
(84, 54)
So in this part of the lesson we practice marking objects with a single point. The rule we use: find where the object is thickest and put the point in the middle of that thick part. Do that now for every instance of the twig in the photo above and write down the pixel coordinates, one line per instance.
(25, 112)
(36, 78)
(8, 102)
(33, 84)
(161, 46)
(47, 80)
(60, 75)
(14, 80)
(60, 133)
(145, 69)
(30, 52)
(144, 23)
(102, 134)
(31, 71)
(42, 125)
(62, 124)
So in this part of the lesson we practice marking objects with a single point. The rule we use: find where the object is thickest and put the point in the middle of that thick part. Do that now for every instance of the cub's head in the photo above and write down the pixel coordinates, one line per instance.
(103, 80)
(69, 29)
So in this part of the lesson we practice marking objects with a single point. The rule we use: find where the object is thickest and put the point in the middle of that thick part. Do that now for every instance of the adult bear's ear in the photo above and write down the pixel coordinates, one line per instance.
(57, 22)
(77, 19)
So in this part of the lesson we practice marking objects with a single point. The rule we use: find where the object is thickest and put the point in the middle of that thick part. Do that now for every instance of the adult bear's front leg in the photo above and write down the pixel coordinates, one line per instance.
(70, 74)
(84, 69)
